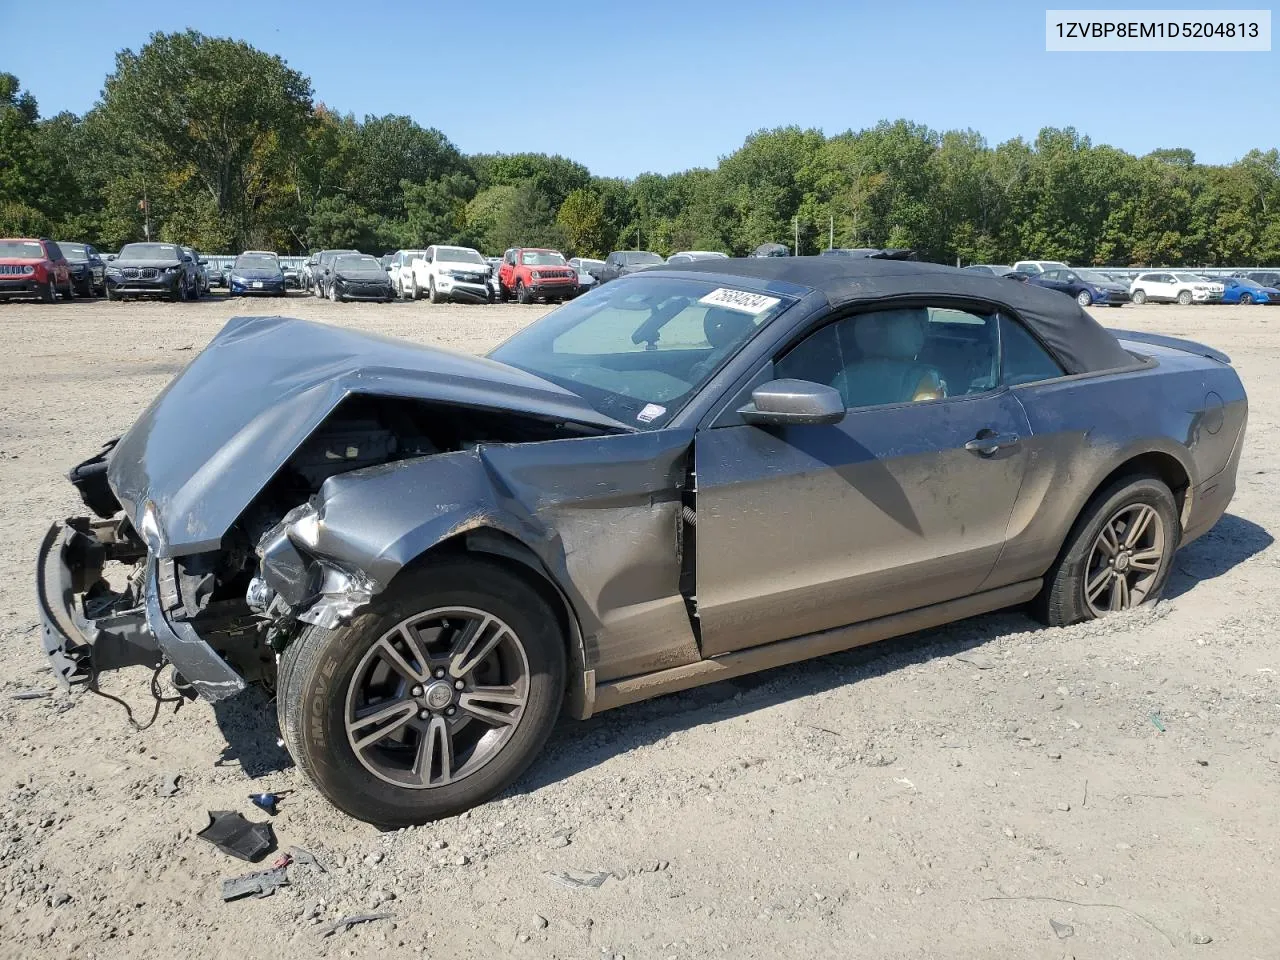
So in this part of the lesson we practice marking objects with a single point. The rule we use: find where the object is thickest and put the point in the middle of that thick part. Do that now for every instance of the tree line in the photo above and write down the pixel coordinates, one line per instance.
(211, 142)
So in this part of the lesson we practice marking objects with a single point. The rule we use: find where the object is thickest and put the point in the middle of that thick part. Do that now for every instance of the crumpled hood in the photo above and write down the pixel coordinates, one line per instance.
(221, 429)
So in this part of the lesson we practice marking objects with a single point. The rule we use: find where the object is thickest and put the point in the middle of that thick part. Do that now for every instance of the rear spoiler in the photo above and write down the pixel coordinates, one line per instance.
(1174, 343)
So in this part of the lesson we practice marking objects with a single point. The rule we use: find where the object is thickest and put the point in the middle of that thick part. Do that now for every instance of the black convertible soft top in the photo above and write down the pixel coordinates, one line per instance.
(1078, 341)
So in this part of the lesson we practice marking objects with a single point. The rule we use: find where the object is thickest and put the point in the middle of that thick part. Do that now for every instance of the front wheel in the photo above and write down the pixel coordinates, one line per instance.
(1084, 298)
(432, 293)
(334, 295)
(522, 293)
(435, 698)
(48, 293)
(1246, 298)
(1118, 555)
(1184, 298)
(1139, 297)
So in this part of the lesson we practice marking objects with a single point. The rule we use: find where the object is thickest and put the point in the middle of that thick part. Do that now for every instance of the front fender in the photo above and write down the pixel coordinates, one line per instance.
(377, 521)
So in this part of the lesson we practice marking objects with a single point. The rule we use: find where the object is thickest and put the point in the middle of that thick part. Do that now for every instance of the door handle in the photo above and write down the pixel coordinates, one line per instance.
(988, 442)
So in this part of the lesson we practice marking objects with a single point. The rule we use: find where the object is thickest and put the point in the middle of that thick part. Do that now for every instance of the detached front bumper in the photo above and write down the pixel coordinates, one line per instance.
(88, 627)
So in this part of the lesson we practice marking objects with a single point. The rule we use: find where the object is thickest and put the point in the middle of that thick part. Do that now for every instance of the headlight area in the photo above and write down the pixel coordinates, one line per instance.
(294, 585)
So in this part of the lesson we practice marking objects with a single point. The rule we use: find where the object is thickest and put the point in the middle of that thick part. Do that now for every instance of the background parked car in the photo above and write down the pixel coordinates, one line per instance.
(1036, 267)
(150, 269)
(1241, 290)
(1087, 286)
(622, 262)
(292, 276)
(771, 250)
(199, 278)
(87, 268)
(32, 267)
(449, 273)
(322, 272)
(357, 276)
(400, 270)
(1268, 278)
(254, 274)
(588, 265)
(689, 256)
(1168, 286)
(528, 273)
(993, 269)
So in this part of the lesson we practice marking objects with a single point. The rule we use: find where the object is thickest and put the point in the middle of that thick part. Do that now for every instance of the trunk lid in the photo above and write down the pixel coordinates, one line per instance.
(221, 429)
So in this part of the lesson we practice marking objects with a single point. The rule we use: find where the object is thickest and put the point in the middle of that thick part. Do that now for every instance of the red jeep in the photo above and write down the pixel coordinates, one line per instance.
(531, 272)
(34, 268)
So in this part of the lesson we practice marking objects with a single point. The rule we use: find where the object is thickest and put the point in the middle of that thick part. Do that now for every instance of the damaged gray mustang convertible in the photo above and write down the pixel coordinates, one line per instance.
(685, 476)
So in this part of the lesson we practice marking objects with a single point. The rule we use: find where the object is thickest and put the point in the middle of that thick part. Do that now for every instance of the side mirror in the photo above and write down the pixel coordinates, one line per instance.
(793, 403)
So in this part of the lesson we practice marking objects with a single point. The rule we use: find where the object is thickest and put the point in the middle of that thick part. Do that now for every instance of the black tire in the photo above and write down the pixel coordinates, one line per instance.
(317, 668)
(503, 296)
(86, 287)
(432, 294)
(1246, 298)
(1184, 298)
(48, 293)
(1139, 297)
(1062, 602)
(522, 293)
(1084, 298)
(111, 294)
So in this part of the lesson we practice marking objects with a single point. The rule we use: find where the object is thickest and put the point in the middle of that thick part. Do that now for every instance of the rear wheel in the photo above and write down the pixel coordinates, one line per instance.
(86, 286)
(503, 296)
(47, 293)
(522, 293)
(1246, 298)
(1118, 556)
(432, 700)
(1184, 297)
(1139, 297)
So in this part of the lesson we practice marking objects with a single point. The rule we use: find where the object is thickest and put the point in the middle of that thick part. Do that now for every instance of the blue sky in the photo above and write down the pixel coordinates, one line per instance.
(628, 87)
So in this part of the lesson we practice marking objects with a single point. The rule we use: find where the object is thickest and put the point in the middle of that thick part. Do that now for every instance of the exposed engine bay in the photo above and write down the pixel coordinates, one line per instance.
(247, 599)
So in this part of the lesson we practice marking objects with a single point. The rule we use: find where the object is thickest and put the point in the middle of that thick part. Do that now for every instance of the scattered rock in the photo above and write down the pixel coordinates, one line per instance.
(1054, 755)
(373, 859)
(1064, 807)
(1062, 930)
(1200, 939)
(540, 921)
(1010, 833)
(556, 843)
(439, 844)
(461, 860)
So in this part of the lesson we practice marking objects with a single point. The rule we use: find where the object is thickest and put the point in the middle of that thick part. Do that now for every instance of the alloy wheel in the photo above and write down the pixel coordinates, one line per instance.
(437, 697)
(1126, 560)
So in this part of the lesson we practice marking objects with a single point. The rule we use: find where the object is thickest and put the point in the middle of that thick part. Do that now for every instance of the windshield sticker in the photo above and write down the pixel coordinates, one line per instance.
(753, 303)
(651, 411)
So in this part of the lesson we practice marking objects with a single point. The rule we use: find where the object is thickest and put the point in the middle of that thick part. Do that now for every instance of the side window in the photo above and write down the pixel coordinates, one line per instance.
(54, 251)
(1023, 360)
(899, 356)
(1052, 275)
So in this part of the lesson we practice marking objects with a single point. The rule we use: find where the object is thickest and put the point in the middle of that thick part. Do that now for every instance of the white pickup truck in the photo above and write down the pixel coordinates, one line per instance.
(447, 273)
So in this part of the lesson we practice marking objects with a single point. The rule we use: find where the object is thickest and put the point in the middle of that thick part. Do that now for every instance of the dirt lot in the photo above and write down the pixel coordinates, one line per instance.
(991, 789)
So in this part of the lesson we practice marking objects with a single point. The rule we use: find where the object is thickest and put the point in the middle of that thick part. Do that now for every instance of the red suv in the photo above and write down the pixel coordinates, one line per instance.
(33, 268)
(531, 272)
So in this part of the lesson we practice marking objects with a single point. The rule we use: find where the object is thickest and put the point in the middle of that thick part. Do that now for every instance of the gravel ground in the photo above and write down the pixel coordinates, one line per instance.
(989, 789)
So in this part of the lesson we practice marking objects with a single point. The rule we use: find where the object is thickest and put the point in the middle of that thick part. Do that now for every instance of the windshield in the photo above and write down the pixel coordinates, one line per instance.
(150, 251)
(1252, 285)
(1092, 276)
(73, 251)
(256, 262)
(357, 262)
(26, 249)
(541, 258)
(1191, 278)
(643, 257)
(459, 255)
(638, 349)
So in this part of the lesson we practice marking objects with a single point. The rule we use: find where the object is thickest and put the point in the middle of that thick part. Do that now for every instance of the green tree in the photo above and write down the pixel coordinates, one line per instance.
(582, 219)
(217, 112)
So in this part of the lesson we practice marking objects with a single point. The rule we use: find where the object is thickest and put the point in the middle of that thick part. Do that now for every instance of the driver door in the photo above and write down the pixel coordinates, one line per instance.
(903, 504)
